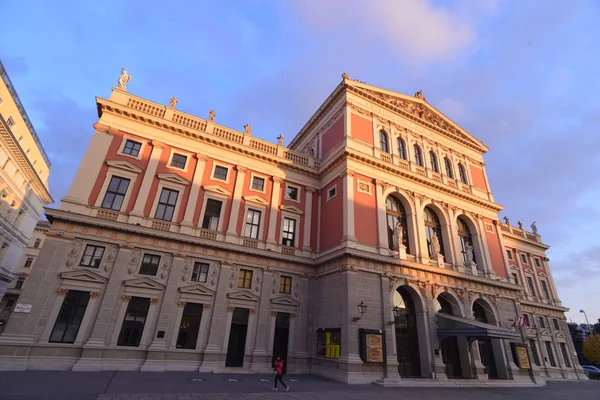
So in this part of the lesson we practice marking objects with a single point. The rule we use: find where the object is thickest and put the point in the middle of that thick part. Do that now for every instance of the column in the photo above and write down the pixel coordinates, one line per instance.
(231, 235)
(319, 221)
(382, 240)
(348, 206)
(391, 362)
(187, 223)
(260, 351)
(488, 268)
(457, 262)
(273, 212)
(307, 218)
(91, 164)
(149, 175)
(421, 239)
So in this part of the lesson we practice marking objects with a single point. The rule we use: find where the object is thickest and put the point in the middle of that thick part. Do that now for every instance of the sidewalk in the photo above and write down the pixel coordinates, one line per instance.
(59, 385)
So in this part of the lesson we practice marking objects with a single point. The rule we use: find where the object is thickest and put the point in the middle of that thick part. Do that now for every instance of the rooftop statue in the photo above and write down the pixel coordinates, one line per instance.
(124, 79)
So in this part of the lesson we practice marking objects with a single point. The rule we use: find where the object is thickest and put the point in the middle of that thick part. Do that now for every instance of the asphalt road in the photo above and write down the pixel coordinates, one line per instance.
(59, 385)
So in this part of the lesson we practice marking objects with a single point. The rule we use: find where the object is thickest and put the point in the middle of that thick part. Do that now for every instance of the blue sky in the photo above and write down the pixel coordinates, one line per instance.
(520, 76)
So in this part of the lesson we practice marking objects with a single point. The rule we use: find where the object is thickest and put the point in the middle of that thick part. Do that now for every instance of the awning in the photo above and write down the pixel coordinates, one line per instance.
(449, 325)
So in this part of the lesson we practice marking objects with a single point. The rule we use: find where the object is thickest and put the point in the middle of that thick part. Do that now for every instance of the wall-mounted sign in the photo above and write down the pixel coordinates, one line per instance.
(372, 345)
(22, 308)
(521, 356)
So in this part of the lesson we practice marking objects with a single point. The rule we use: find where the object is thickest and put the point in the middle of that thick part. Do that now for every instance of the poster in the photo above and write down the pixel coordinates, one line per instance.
(522, 357)
(22, 308)
(374, 347)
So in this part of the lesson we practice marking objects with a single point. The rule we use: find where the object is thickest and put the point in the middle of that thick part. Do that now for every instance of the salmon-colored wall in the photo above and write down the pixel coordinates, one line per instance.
(332, 214)
(230, 185)
(162, 168)
(314, 219)
(301, 219)
(113, 156)
(477, 177)
(362, 129)
(333, 136)
(265, 196)
(365, 213)
(495, 250)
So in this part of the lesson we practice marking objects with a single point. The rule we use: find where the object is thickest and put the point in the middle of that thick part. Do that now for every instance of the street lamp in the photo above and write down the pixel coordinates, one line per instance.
(586, 319)
(362, 309)
(397, 314)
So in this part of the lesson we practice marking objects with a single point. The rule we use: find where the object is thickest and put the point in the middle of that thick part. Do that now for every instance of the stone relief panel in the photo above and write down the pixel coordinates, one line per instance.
(134, 261)
(108, 261)
(74, 253)
(233, 278)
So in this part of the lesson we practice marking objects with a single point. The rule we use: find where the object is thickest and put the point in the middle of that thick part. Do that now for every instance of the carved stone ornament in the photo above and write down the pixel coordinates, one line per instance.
(274, 286)
(213, 276)
(134, 261)
(297, 289)
(273, 313)
(186, 268)
(252, 311)
(94, 295)
(257, 281)
(166, 267)
(232, 277)
(230, 309)
(73, 254)
(62, 292)
(111, 257)
(181, 303)
(153, 301)
(125, 298)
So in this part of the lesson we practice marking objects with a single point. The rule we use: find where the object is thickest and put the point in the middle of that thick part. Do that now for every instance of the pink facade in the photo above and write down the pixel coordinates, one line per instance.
(333, 136)
(362, 129)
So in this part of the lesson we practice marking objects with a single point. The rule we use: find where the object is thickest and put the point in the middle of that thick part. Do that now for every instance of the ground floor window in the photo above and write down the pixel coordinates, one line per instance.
(565, 354)
(550, 354)
(190, 326)
(133, 324)
(328, 343)
(69, 317)
(534, 353)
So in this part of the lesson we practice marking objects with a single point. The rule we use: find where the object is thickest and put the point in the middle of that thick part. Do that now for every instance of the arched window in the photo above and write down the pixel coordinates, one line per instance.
(462, 174)
(433, 159)
(401, 148)
(479, 311)
(394, 211)
(448, 165)
(466, 241)
(432, 225)
(418, 156)
(383, 142)
(443, 305)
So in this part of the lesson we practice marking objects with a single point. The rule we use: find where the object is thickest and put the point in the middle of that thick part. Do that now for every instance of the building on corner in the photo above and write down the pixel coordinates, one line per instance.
(368, 249)
(24, 171)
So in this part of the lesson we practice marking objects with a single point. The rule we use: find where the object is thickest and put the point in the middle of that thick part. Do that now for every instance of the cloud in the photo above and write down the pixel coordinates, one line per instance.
(417, 30)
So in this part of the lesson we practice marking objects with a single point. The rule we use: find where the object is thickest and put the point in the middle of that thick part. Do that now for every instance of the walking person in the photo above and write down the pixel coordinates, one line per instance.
(280, 371)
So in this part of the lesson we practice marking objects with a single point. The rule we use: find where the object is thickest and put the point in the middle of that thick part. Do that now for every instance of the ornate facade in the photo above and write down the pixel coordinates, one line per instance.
(24, 171)
(369, 249)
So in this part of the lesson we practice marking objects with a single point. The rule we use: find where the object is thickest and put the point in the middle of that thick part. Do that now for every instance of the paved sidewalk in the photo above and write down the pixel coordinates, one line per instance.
(59, 385)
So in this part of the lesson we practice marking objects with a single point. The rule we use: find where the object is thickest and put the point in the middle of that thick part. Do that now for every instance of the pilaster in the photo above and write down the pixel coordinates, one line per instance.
(348, 206)
(381, 218)
(273, 212)
(236, 203)
(149, 175)
(187, 223)
(307, 218)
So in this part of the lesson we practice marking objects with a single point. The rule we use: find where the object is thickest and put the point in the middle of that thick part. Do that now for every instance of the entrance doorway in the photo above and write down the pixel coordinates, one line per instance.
(407, 340)
(281, 337)
(487, 358)
(451, 357)
(237, 338)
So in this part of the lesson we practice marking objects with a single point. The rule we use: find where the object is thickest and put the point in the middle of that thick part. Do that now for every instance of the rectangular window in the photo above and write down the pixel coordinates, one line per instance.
(537, 263)
(509, 254)
(565, 354)
(252, 224)
(149, 264)
(69, 317)
(10, 122)
(331, 192)
(285, 284)
(550, 354)
(220, 173)
(289, 232)
(523, 258)
(190, 326)
(541, 322)
(292, 193)
(19, 284)
(212, 213)
(166, 204)
(200, 272)
(527, 321)
(545, 289)
(328, 343)
(556, 325)
(92, 256)
(115, 194)
(245, 279)
(28, 262)
(132, 148)
(133, 324)
(515, 278)
(258, 184)
(37, 243)
(531, 286)
(178, 161)
(534, 353)
(9, 304)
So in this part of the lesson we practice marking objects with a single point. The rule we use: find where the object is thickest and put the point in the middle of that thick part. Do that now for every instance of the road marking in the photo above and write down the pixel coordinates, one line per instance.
(265, 380)
(232, 380)
(293, 380)
(196, 379)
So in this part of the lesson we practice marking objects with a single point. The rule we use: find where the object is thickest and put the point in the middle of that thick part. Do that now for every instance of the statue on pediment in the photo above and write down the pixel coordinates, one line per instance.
(435, 245)
(520, 225)
(124, 79)
(534, 228)
(211, 115)
(506, 220)
(345, 76)
(419, 95)
(173, 102)
(280, 140)
(247, 129)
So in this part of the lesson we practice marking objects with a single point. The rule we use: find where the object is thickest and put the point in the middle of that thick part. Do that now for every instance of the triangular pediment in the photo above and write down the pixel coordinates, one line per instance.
(243, 295)
(256, 200)
(292, 209)
(415, 107)
(217, 189)
(83, 275)
(197, 290)
(285, 301)
(124, 165)
(144, 283)
(174, 178)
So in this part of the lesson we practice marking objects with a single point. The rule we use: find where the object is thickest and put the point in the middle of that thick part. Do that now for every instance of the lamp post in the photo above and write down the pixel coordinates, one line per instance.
(362, 309)
(586, 318)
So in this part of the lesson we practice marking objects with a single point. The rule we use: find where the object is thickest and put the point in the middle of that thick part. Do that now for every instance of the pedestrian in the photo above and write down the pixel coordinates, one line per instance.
(280, 371)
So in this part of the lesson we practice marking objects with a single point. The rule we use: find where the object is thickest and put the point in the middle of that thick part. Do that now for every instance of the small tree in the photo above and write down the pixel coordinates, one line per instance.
(591, 348)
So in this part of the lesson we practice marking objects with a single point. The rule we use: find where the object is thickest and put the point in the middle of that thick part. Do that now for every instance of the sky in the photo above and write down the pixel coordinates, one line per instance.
(521, 76)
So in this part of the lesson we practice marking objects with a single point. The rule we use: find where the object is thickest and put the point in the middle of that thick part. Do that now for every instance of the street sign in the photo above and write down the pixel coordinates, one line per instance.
(22, 308)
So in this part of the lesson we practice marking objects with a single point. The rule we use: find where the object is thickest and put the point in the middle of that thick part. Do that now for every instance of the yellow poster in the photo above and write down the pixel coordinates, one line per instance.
(523, 357)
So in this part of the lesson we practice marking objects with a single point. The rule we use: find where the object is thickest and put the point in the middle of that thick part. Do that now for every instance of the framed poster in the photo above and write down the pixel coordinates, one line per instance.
(521, 356)
(372, 345)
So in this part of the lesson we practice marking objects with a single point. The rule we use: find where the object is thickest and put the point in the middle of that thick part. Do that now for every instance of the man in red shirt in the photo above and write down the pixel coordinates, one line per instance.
(279, 374)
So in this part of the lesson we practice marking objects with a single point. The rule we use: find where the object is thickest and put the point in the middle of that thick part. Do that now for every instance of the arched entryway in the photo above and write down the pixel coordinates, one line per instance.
(406, 332)
(482, 312)
(445, 303)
